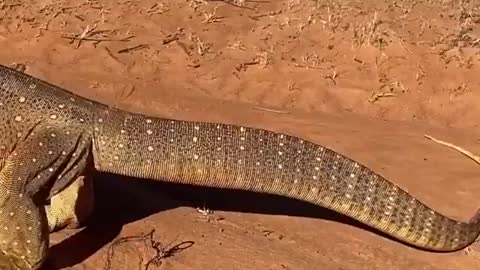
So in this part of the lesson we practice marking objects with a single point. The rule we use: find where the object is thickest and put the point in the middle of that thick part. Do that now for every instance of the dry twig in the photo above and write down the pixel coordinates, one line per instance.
(455, 147)
(134, 48)
(212, 17)
(270, 110)
(88, 35)
(243, 66)
(376, 96)
(333, 77)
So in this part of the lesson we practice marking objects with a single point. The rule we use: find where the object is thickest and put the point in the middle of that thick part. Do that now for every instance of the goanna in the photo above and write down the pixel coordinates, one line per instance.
(51, 138)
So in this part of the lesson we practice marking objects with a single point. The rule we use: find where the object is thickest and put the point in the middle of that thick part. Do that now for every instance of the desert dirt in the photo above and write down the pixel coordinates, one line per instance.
(365, 78)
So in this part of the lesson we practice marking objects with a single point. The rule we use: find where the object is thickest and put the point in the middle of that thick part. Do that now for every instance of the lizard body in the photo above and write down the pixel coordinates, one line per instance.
(51, 138)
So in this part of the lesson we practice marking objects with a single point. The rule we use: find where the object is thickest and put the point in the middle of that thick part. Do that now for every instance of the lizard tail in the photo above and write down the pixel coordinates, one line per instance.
(234, 157)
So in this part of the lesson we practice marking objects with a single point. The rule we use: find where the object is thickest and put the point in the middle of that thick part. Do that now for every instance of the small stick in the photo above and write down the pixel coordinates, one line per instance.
(243, 66)
(170, 38)
(111, 55)
(376, 96)
(97, 39)
(270, 110)
(134, 48)
(232, 4)
(332, 77)
(457, 148)
(305, 66)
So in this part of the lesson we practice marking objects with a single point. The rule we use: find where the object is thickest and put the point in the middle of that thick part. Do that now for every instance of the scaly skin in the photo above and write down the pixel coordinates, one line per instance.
(51, 138)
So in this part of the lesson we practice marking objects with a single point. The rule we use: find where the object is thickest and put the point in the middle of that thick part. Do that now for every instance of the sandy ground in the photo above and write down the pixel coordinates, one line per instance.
(365, 78)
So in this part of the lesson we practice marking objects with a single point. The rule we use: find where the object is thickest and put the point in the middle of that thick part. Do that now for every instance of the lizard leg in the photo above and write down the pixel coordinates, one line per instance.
(23, 232)
(71, 207)
(41, 156)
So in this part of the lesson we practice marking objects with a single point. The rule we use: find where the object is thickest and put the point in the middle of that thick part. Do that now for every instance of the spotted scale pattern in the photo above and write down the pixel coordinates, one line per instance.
(43, 148)
(235, 157)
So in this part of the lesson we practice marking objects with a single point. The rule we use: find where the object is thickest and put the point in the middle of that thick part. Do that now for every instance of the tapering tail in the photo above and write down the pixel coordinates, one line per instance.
(235, 157)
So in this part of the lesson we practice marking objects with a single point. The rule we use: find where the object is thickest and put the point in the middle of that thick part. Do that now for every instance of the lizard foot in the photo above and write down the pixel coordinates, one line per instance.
(71, 207)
